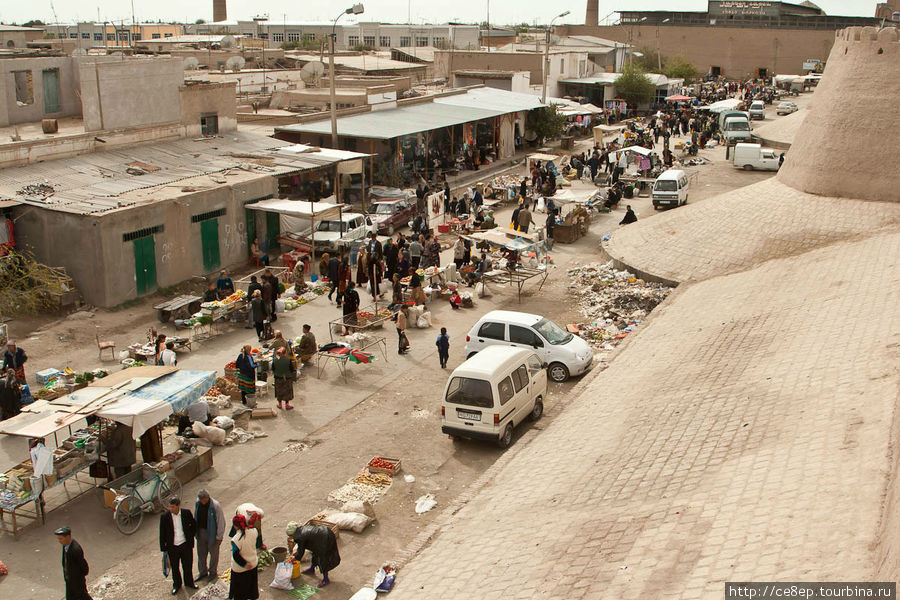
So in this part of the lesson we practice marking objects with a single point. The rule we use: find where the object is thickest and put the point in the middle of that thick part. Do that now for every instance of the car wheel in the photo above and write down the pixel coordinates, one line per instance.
(558, 372)
(538, 409)
(748, 167)
(506, 439)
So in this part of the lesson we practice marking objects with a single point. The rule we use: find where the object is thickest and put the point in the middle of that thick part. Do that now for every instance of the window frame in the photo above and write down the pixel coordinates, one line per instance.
(492, 323)
(502, 386)
(520, 378)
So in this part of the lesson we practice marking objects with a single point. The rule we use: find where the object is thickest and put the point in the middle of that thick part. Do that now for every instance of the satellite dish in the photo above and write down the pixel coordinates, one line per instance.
(312, 72)
(79, 52)
(235, 63)
(191, 64)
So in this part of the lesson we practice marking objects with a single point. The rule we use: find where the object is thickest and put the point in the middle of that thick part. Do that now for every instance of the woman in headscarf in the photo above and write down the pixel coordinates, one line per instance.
(246, 375)
(322, 544)
(245, 541)
(284, 381)
(362, 266)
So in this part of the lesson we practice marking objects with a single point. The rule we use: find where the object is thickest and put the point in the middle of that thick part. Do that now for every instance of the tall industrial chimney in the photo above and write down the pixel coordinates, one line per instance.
(592, 16)
(220, 11)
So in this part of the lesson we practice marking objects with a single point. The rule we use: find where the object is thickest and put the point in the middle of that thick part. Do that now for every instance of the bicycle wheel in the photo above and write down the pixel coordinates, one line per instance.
(128, 515)
(169, 487)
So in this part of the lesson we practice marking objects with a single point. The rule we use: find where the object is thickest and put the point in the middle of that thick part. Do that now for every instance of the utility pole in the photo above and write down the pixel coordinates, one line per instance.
(547, 56)
(356, 9)
(658, 52)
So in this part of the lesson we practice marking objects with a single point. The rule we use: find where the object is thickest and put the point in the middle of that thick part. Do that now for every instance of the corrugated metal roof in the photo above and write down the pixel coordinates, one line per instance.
(476, 104)
(95, 183)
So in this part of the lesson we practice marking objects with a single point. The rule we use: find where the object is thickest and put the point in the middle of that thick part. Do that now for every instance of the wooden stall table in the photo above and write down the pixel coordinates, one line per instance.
(179, 307)
(342, 354)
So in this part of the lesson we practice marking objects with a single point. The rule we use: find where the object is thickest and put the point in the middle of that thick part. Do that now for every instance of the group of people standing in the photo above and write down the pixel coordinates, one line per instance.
(263, 294)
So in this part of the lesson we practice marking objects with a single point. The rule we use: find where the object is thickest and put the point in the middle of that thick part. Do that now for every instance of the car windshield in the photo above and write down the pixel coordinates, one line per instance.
(552, 332)
(330, 226)
(470, 392)
(665, 185)
(738, 126)
(383, 209)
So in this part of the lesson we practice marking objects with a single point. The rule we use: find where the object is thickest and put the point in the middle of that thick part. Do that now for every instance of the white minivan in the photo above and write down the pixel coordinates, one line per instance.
(330, 234)
(757, 109)
(492, 392)
(754, 157)
(670, 188)
(566, 354)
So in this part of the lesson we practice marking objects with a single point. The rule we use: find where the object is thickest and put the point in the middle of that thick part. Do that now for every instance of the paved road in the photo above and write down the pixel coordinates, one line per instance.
(744, 435)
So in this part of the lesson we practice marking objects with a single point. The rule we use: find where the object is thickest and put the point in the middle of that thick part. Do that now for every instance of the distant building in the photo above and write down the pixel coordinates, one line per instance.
(734, 38)
(370, 35)
(12, 37)
(93, 34)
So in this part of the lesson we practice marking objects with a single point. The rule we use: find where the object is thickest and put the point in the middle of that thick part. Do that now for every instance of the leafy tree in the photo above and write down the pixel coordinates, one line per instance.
(634, 86)
(678, 67)
(648, 60)
(546, 122)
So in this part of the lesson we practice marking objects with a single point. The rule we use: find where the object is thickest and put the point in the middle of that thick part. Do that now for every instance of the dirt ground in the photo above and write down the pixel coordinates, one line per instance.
(390, 408)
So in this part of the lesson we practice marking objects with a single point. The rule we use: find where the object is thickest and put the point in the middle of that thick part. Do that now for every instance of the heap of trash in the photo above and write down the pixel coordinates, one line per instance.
(613, 302)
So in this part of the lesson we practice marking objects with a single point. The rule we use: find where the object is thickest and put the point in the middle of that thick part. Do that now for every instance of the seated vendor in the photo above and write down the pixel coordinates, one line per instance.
(224, 285)
(484, 265)
(299, 274)
(280, 342)
(212, 293)
(307, 347)
(196, 412)
(257, 253)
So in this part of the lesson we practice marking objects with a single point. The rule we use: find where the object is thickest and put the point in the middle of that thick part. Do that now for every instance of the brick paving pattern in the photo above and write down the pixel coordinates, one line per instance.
(742, 435)
(741, 229)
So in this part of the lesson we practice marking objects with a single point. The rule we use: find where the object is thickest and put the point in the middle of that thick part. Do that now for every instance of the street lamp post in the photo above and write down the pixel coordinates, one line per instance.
(356, 9)
(631, 41)
(547, 55)
(658, 55)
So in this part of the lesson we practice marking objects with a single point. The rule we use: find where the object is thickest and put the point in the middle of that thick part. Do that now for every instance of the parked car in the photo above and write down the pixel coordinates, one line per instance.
(737, 129)
(757, 110)
(786, 108)
(754, 157)
(486, 397)
(390, 215)
(566, 354)
(331, 234)
(670, 188)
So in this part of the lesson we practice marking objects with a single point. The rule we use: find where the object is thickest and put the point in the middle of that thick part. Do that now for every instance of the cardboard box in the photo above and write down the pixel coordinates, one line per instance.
(109, 498)
(46, 375)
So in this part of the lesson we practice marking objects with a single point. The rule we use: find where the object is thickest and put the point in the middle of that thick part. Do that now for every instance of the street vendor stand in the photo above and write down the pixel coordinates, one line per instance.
(527, 244)
(356, 351)
(366, 318)
(139, 397)
(604, 134)
(532, 159)
(294, 214)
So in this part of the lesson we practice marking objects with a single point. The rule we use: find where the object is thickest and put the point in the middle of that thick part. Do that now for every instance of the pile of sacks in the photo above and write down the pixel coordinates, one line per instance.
(418, 316)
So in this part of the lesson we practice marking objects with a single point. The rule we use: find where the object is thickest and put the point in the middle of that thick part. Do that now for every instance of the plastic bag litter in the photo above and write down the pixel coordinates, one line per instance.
(384, 579)
(425, 503)
(283, 572)
(409, 478)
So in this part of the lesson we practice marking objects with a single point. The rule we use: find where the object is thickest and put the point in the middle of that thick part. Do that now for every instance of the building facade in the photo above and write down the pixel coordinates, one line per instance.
(369, 35)
(93, 34)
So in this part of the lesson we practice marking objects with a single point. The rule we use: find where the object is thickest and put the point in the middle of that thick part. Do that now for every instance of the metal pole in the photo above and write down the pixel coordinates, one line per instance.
(334, 133)
(658, 55)
(546, 66)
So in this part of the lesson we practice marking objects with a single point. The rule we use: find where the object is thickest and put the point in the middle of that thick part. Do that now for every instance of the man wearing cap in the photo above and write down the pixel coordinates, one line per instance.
(75, 567)
(176, 538)
(210, 531)
(14, 358)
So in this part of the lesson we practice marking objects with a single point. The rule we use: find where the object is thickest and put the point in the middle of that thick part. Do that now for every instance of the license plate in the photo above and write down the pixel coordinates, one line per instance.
(471, 416)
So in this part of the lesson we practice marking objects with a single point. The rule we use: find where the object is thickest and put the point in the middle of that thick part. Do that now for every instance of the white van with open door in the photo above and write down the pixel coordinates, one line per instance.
(671, 188)
(492, 392)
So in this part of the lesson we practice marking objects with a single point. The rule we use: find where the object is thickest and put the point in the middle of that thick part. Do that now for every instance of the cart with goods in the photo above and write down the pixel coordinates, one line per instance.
(143, 490)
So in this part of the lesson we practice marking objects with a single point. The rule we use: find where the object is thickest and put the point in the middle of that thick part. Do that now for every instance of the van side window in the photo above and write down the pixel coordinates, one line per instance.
(495, 331)
(505, 388)
(520, 378)
(534, 366)
(523, 335)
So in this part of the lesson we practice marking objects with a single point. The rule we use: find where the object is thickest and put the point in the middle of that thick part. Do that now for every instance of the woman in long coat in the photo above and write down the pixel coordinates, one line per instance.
(320, 541)
(362, 266)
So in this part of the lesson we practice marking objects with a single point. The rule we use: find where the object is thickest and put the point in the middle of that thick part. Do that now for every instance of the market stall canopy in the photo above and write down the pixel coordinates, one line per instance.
(299, 208)
(507, 238)
(543, 157)
(155, 401)
(678, 98)
(568, 196)
(637, 149)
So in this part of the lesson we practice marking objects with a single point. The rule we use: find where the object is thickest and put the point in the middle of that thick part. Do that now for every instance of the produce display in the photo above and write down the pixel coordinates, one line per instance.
(373, 479)
(381, 463)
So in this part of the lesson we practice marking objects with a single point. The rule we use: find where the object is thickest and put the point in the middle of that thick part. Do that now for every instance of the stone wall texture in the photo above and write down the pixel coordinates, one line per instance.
(844, 146)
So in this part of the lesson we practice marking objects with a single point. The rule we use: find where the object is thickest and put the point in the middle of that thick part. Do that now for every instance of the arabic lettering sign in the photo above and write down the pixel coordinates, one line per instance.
(743, 8)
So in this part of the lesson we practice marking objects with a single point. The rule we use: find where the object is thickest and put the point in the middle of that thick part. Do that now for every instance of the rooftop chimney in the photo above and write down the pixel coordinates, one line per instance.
(592, 16)
(220, 11)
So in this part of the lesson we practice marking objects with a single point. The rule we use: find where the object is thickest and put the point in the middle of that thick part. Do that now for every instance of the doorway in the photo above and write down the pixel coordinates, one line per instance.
(762, 73)
(209, 242)
(50, 81)
(144, 265)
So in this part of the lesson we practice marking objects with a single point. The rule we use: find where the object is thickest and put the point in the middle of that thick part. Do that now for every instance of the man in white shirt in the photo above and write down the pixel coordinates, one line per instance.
(169, 358)
(177, 529)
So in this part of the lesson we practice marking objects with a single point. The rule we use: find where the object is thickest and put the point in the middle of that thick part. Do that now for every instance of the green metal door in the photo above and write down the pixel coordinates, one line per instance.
(144, 264)
(273, 228)
(251, 227)
(50, 80)
(209, 241)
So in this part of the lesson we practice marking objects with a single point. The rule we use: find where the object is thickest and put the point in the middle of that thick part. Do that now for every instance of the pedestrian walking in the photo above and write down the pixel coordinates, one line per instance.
(402, 341)
(258, 310)
(75, 567)
(443, 346)
(210, 531)
(177, 529)
(334, 267)
(351, 305)
(524, 219)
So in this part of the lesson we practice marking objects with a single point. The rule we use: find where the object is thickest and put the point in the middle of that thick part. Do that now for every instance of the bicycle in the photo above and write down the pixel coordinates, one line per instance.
(150, 491)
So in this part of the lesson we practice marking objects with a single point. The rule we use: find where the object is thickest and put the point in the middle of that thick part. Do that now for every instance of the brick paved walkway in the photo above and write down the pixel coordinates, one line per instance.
(741, 229)
(742, 435)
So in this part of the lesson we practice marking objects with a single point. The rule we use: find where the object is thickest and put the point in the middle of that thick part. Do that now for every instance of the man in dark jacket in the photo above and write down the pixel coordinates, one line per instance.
(14, 358)
(629, 217)
(334, 265)
(75, 567)
(210, 531)
(177, 529)
(351, 305)
(122, 450)
(391, 255)
(10, 396)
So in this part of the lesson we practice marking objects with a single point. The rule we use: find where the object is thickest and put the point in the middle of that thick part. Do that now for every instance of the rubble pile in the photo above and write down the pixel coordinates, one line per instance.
(613, 302)
(40, 190)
